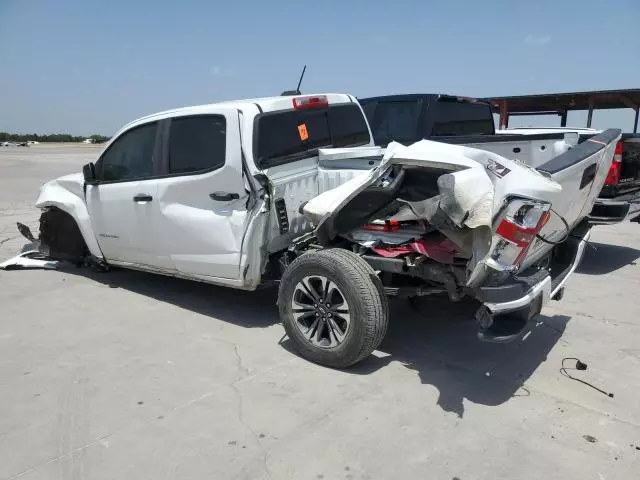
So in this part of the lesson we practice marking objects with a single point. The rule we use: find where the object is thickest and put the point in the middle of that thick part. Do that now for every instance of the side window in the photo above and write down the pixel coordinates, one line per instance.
(197, 143)
(130, 156)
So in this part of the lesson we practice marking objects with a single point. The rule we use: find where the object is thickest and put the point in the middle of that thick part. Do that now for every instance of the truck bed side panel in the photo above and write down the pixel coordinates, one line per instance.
(293, 184)
(581, 172)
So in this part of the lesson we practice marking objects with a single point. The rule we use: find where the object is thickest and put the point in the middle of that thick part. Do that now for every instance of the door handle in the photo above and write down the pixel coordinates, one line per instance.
(223, 196)
(142, 198)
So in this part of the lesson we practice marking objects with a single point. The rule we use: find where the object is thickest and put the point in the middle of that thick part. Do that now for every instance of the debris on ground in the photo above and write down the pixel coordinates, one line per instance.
(582, 367)
(31, 259)
(26, 232)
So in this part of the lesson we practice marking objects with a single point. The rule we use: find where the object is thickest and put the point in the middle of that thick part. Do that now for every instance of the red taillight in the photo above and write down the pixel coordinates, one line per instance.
(518, 234)
(386, 226)
(320, 101)
(521, 236)
(613, 177)
(515, 233)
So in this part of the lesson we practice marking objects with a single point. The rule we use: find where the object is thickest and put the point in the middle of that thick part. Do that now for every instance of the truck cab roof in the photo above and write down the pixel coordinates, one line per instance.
(257, 105)
(435, 96)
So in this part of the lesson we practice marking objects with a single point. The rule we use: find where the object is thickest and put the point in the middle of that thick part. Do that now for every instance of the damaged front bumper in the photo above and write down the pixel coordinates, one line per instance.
(508, 307)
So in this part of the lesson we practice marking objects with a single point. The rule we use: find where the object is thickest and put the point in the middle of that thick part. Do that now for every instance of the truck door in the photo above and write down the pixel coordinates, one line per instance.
(202, 199)
(122, 205)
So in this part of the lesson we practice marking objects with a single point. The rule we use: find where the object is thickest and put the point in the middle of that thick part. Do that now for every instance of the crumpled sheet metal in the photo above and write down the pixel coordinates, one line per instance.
(32, 259)
(466, 192)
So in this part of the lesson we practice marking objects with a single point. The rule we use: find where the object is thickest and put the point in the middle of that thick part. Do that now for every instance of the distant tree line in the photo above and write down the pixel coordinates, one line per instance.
(52, 137)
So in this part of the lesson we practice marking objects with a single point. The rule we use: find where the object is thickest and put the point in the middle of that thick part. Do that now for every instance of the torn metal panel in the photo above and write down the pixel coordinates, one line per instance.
(457, 190)
(32, 259)
(465, 188)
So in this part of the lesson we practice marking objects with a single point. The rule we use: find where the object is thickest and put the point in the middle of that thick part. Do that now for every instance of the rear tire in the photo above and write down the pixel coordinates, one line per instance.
(333, 307)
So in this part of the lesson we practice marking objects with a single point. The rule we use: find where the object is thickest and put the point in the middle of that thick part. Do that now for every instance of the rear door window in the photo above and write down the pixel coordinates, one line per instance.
(289, 135)
(455, 117)
(197, 144)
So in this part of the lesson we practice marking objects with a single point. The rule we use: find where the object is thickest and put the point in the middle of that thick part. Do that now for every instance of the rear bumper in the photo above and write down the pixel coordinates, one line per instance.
(609, 211)
(522, 297)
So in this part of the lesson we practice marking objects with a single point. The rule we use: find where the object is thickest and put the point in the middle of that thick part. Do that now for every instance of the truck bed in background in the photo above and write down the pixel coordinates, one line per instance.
(620, 195)
(465, 121)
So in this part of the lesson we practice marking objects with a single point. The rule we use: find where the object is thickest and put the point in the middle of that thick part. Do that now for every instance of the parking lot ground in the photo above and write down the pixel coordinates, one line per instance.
(134, 376)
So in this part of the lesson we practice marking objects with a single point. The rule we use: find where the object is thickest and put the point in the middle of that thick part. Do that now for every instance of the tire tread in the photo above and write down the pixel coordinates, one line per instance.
(368, 287)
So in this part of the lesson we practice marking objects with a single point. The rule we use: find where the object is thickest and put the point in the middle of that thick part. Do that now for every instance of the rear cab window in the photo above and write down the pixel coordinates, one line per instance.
(409, 118)
(285, 136)
(394, 120)
(454, 117)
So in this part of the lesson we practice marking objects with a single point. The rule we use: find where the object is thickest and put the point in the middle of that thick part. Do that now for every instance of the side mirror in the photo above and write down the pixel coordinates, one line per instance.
(89, 173)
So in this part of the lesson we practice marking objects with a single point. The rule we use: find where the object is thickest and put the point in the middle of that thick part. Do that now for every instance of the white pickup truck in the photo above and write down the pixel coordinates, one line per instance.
(290, 190)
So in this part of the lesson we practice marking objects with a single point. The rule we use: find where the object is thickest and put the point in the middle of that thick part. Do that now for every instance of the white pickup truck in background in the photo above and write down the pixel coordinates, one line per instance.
(290, 190)
(619, 199)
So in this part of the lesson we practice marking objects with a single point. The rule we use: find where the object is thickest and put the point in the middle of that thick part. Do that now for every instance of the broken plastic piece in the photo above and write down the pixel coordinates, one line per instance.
(26, 232)
(30, 259)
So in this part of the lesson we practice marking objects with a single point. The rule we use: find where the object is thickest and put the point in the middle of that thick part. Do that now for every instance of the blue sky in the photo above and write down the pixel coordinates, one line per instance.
(86, 66)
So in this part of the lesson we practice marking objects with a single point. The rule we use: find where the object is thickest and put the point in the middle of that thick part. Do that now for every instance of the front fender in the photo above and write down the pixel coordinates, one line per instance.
(67, 194)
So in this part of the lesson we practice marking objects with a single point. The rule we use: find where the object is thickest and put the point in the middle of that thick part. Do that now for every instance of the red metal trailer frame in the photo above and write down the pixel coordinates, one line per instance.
(561, 103)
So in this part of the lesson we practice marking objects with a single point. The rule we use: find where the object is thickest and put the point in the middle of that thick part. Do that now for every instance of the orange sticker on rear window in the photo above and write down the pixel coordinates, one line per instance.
(302, 131)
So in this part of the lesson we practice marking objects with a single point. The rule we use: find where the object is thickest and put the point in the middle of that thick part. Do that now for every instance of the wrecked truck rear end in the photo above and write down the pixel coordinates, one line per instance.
(435, 218)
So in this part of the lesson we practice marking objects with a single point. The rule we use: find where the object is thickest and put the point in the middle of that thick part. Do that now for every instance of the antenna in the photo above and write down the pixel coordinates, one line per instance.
(304, 69)
(297, 90)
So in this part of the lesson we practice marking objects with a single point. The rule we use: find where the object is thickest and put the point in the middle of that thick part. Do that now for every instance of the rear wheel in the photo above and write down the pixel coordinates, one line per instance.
(333, 307)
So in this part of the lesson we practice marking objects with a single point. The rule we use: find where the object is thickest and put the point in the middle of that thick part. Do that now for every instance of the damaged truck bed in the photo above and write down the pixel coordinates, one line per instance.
(471, 222)
(292, 191)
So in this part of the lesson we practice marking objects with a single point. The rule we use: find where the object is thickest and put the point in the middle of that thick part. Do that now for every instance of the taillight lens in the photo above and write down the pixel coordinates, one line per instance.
(613, 177)
(517, 228)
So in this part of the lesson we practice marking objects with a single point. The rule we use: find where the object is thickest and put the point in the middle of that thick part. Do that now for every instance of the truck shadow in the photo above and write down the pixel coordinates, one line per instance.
(442, 347)
(438, 340)
(246, 309)
(607, 258)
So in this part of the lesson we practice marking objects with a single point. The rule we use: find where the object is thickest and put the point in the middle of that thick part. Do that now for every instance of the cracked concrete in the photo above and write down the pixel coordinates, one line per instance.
(129, 375)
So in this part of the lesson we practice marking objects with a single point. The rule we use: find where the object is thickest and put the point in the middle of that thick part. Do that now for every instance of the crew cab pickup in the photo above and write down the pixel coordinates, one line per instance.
(465, 121)
(291, 191)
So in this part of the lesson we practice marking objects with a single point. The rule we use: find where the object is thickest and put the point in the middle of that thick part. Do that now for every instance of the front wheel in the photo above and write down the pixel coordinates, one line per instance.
(333, 307)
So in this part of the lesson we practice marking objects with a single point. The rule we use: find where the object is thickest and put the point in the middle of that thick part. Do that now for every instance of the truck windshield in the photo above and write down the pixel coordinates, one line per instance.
(285, 136)
(453, 117)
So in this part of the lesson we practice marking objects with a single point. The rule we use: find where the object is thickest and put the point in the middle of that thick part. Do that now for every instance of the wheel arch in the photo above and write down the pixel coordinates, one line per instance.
(55, 195)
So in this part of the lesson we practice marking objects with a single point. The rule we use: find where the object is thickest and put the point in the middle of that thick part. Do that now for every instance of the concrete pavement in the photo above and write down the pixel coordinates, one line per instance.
(134, 376)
